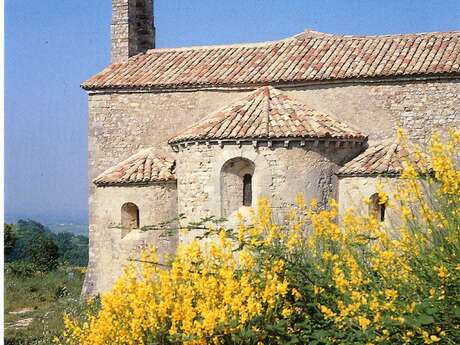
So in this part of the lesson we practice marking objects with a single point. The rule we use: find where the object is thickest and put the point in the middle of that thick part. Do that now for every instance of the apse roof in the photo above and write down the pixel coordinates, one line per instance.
(307, 57)
(268, 114)
(383, 158)
(145, 167)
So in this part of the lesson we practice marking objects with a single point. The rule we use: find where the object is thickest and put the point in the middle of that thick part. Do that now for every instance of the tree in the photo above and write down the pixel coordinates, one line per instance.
(44, 253)
(31, 237)
(9, 238)
(26, 232)
(72, 249)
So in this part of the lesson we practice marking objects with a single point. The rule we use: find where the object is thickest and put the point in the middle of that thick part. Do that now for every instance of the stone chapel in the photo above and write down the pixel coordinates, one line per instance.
(204, 131)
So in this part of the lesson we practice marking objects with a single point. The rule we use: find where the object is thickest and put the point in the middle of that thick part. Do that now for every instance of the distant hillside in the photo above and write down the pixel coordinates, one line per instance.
(55, 223)
(72, 248)
(74, 228)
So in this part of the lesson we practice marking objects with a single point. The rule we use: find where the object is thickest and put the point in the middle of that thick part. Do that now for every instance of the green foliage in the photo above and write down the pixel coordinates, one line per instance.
(44, 253)
(33, 242)
(309, 280)
(21, 268)
(40, 278)
(9, 238)
(73, 249)
(44, 297)
(26, 233)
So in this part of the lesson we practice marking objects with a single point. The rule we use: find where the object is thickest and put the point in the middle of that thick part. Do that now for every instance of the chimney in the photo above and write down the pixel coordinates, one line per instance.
(132, 27)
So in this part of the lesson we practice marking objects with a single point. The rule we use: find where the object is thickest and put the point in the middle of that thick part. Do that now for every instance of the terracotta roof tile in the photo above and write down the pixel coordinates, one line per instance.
(145, 167)
(268, 113)
(384, 158)
(305, 57)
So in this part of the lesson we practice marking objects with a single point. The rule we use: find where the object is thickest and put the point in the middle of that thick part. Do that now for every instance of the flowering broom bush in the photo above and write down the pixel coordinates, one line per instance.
(312, 281)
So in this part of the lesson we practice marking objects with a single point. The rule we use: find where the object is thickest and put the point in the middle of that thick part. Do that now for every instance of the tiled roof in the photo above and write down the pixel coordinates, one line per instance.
(384, 158)
(267, 113)
(306, 57)
(145, 167)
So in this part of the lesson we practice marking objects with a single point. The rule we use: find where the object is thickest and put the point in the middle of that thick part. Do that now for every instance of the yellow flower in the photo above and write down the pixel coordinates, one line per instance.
(317, 290)
(359, 272)
(435, 338)
(363, 322)
(297, 295)
(314, 204)
(442, 272)
(326, 311)
(286, 312)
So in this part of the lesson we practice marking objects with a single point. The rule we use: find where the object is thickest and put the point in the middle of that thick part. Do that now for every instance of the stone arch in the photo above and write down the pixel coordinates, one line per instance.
(377, 209)
(261, 180)
(236, 184)
(129, 218)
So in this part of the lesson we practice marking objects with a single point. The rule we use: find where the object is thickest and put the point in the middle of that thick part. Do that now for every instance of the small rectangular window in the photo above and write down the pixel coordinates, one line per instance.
(247, 190)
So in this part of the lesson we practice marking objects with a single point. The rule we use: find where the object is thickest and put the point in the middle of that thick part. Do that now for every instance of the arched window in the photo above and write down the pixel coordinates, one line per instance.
(236, 184)
(247, 190)
(129, 217)
(377, 209)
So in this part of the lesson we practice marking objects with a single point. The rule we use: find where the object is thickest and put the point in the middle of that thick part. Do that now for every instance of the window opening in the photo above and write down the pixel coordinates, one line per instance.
(376, 209)
(236, 185)
(129, 217)
(247, 190)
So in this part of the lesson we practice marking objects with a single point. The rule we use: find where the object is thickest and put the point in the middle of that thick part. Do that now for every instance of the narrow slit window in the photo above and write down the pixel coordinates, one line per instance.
(382, 212)
(247, 190)
(376, 209)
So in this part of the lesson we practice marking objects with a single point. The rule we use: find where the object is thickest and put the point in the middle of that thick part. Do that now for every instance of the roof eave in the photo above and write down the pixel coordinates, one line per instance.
(233, 141)
(250, 86)
(367, 174)
(134, 184)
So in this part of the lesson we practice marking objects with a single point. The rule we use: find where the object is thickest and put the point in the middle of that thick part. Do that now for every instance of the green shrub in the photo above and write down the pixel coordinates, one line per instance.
(44, 253)
(9, 238)
(48, 295)
(21, 268)
(312, 280)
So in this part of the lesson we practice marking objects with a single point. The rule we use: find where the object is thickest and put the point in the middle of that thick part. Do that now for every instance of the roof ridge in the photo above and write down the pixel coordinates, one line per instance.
(267, 90)
(386, 160)
(304, 34)
(307, 33)
(215, 46)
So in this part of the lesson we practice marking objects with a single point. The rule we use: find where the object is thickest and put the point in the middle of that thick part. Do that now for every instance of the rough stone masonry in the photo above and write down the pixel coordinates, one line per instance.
(169, 128)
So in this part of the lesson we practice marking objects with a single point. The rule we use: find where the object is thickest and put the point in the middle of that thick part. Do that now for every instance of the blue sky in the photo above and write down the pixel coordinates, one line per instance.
(54, 45)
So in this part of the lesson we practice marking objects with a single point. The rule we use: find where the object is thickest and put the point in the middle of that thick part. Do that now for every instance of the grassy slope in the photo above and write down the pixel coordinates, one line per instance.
(48, 295)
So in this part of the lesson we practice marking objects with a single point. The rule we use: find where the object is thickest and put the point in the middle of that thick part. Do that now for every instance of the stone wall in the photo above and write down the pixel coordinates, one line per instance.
(121, 123)
(280, 174)
(132, 28)
(110, 248)
(354, 193)
(418, 107)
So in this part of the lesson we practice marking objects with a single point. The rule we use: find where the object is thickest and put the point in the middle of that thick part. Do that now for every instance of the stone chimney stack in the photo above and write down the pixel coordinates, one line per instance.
(133, 29)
